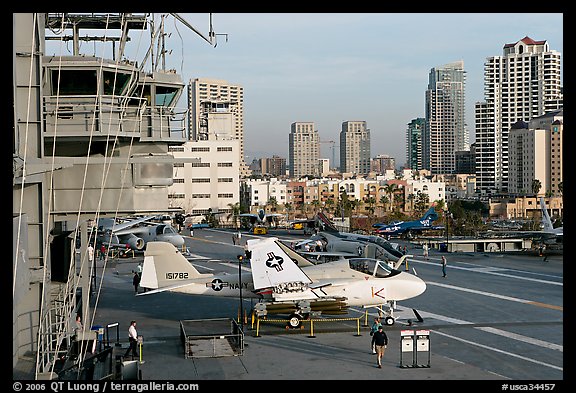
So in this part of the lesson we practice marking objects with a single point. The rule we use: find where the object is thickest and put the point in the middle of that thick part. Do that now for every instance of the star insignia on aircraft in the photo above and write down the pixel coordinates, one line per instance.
(218, 284)
(274, 261)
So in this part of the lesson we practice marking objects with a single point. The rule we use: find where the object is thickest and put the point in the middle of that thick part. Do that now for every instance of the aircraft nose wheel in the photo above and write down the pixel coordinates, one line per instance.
(295, 321)
(389, 321)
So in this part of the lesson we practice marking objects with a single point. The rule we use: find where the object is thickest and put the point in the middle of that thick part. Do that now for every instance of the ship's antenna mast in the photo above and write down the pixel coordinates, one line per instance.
(211, 35)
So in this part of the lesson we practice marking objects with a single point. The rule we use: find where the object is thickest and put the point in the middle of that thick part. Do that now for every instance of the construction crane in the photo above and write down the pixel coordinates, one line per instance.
(333, 151)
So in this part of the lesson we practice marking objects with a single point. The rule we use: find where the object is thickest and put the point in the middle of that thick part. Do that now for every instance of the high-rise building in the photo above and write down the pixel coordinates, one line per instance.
(381, 163)
(216, 112)
(303, 149)
(355, 148)
(445, 127)
(536, 154)
(521, 84)
(465, 161)
(273, 166)
(414, 143)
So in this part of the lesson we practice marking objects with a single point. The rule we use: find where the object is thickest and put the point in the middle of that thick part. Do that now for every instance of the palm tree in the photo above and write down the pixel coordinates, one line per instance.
(234, 213)
(329, 204)
(536, 186)
(390, 189)
(384, 200)
(411, 198)
(399, 199)
(422, 202)
(316, 205)
(370, 201)
(289, 208)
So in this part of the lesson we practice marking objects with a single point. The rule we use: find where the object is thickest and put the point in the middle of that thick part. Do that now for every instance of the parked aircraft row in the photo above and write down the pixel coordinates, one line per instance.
(548, 234)
(350, 245)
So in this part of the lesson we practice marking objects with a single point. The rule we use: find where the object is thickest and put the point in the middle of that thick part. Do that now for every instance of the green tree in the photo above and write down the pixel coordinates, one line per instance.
(383, 200)
(536, 186)
(411, 198)
(329, 204)
(422, 202)
(390, 189)
(371, 202)
(234, 213)
(289, 209)
(273, 203)
(315, 205)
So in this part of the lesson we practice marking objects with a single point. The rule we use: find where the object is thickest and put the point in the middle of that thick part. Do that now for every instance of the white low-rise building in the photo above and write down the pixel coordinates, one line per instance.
(206, 176)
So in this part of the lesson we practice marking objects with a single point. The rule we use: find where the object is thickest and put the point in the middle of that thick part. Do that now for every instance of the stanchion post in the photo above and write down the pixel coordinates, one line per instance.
(140, 341)
(312, 329)
(257, 327)
(358, 327)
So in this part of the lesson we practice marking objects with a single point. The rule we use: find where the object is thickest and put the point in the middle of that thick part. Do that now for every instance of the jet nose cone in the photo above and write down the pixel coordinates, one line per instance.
(178, 241)
(419, 286)
(411, 286)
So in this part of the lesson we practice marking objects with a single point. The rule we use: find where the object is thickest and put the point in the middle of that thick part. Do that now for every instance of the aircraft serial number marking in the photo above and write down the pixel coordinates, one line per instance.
(176, 275)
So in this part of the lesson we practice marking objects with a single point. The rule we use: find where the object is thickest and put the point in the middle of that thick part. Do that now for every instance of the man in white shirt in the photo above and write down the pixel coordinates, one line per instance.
(90, 253)
(133, 338)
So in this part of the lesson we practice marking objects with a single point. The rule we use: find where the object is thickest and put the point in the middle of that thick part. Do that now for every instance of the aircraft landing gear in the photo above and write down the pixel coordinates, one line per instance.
(295, 321)
(389, 319)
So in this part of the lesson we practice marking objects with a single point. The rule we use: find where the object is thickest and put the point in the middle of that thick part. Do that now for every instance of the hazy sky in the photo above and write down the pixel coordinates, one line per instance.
(328, 68)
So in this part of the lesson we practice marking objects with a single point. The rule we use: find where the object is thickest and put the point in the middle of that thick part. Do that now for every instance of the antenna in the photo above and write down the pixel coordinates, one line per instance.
(333, 150)
(211, 35)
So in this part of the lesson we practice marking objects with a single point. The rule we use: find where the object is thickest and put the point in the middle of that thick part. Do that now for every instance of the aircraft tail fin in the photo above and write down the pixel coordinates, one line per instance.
(431, 214)
(272, 267)
(164, 266)
(297, 258)
(328, 226)
(545, 216)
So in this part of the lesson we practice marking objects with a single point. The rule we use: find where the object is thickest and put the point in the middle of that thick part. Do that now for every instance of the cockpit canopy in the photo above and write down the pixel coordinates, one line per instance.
(375, 267)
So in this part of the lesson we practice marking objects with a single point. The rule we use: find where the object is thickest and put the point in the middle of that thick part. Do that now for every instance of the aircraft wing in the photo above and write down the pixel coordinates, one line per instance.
(535, 235)
(164, 289)
(271, 266)
(302, 221)
(274, 271)
(128, 224)
(320, 256)
(253, 217)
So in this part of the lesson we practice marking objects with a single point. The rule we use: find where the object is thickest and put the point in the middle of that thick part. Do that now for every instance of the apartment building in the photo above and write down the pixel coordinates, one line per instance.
(535, 151)
(303, 149)
(216, 111)
(355, 148)
(521, 84)
(445, 127)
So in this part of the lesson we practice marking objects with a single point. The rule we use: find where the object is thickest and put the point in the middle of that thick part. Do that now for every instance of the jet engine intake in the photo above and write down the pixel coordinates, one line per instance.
(135, 242)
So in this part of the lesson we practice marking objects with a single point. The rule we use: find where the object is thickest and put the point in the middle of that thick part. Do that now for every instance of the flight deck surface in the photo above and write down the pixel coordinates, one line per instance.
(494, 317)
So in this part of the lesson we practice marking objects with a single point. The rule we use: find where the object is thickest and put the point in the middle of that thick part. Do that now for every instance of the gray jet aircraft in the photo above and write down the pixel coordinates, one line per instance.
(136, 233)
